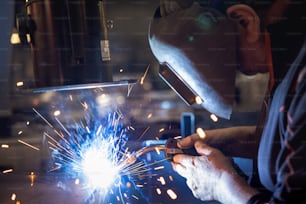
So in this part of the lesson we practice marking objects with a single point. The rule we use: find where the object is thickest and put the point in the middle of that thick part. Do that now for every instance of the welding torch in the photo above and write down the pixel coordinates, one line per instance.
(169, 147)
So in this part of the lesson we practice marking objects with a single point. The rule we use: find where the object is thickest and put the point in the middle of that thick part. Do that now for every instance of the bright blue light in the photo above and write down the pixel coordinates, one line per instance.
(91, 149)
(98, 166)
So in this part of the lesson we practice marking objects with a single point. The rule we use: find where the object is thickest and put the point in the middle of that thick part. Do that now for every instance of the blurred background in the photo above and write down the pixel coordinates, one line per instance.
(40, 41)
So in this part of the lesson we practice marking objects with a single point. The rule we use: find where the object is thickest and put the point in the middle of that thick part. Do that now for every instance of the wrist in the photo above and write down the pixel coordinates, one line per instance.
(234, 189)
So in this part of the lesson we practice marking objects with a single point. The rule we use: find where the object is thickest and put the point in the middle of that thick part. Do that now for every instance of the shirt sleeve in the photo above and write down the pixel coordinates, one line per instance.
(290, 164)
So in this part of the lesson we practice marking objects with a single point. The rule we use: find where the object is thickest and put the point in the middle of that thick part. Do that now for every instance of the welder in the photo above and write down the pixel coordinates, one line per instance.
(200, 47)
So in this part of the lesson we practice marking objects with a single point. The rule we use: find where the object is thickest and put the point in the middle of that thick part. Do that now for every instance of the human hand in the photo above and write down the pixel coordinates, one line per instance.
(208, 175)
(232, 141)
(169, 6)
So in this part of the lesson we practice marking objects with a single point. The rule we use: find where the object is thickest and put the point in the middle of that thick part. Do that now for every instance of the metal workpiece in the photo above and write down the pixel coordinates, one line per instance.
(85, 86)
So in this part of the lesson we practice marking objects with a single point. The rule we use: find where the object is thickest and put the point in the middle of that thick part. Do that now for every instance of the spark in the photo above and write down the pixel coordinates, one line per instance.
(7, 171)
(201, 133)
(162, 180)
(131, 127)
(62, 126)
(213, 117)
(177, 137)
(149, 115)
(198, 100)
(144, 132)
(130, 87)
(157, 150)
(144, 75)
(27, 144)
(137, 198)
(159, 167)
(20, 83)
(32, 178)
(5, 146)
(44, 119)
(171, 194)
(57, 113)
(13, 196)
(128, 184)
(77, 181)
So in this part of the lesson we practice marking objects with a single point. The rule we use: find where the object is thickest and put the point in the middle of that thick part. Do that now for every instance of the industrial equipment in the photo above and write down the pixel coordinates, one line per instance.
(69, 41)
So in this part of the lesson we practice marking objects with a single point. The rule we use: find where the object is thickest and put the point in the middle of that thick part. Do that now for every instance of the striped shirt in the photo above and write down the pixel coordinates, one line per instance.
(282, 150)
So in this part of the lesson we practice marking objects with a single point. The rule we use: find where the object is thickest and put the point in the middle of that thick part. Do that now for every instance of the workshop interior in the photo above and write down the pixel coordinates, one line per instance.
(79, 81)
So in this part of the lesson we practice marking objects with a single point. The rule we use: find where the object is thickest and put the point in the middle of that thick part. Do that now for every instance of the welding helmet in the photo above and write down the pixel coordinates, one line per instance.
(196, 48)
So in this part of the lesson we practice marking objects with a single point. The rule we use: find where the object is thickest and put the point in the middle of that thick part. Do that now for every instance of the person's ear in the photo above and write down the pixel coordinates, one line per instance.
(247, 19)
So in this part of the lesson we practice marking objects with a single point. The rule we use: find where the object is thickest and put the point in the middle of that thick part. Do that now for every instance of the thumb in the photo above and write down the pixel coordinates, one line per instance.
(202, 148)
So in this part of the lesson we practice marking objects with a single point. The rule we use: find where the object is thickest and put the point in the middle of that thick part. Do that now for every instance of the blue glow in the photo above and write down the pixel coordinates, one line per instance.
(97, 165)
(92, 152)
(91, 148)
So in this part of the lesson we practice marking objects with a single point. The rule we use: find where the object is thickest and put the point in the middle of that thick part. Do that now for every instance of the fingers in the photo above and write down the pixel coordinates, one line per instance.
(188, 142)
(184, 160)
(183, 164)
(202, 148)
(180, 169)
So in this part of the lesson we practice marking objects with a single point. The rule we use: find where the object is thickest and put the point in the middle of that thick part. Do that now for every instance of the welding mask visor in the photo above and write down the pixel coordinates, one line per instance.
(196, 48)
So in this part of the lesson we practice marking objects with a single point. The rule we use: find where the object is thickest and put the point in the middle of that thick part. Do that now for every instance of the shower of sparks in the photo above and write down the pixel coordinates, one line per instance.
(93, 151)
(87, 140)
